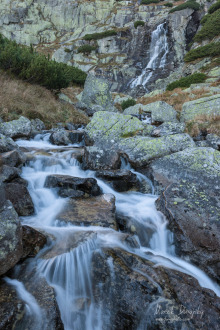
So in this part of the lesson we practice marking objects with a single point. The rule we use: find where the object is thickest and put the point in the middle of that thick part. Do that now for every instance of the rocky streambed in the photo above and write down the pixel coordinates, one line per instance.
(86, 243)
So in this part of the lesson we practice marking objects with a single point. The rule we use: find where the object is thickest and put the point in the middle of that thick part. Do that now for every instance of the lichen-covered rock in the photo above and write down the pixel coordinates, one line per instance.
(92, 211)
(100, 158)
(213, 141)
(112, 126)
(168, 129)
(136, 109)
(10, 237)
(6, 143)
(160, 112)
(16, 128)
(206, 106)
(69, 186)
(142, 150)
(96, 95)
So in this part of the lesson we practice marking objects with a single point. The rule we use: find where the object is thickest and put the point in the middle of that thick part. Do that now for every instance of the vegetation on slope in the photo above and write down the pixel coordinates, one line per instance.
(128, 103)
(212, 49)
(100, 35)
(28, 65)
(188, 4)
(187, 81)
(18, 98)
(210, 28)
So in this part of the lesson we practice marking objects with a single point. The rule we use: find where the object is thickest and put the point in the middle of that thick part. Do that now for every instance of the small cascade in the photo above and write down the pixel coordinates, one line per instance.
(157, 56)
(69, 274)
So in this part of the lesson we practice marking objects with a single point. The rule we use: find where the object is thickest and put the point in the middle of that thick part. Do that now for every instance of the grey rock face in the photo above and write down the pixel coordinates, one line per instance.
(120, 180)
(63, 137)
(97, 158)
(8, 173)
(6, 143)
(16, 128)
(161, 112)
(37, 126)
(14, 158)
(206, 106)
(96, 95)
(10, 237)
(213, 141)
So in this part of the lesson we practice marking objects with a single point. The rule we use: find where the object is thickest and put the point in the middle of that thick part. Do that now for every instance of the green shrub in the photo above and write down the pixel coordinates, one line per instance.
(168, 4)
(187, 81)
(212, 49)
(214, 7)
(128, 103)
(27, 64)
(204, 19)
(188, 4)
(148, 2)
(138, 23)
(211, 27)
(100, 35)
(86, 49)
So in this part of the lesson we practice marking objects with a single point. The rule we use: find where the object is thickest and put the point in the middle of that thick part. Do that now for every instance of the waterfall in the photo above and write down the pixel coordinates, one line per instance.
(157, 56)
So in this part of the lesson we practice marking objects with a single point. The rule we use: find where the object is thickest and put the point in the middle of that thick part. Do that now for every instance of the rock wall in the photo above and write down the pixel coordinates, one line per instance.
(57, 27)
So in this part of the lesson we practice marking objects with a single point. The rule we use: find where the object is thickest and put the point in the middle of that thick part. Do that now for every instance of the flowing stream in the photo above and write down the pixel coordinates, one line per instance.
(157, 54)
(67, 269)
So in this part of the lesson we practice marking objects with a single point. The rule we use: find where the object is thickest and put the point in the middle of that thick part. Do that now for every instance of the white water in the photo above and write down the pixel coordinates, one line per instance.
(31, 305)
(158, 54)
(69, 271)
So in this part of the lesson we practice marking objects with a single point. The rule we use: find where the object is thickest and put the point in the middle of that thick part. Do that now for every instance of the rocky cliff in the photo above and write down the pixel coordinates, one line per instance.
(59, 28)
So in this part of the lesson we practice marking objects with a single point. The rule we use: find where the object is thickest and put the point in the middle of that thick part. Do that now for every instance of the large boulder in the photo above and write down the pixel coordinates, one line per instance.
(6, 143)
(37, 126)
(190, 201)
(16, 128)
(8, 173)
(142, 150)
(64, 137)
(10, 237)
(160, 111)
(32, 241)
(168, 128)
(69, 186)
(96, 95)
(119, 180)
(206, 106)
(112, 126)
(92, 211)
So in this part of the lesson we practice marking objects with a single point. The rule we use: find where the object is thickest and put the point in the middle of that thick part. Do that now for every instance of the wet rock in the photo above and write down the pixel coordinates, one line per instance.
(10, 237)
(16, 128)
(206, 106)
(168, 129)
(60, 137)
(92, 211)
(160, 112)
(119, 180)
(191, 203)
(16, 191)
(69, 186)
(12, 158)
(8, 173)
(63, 137)
(37, 126)
(6, 143)
(213, 141)
(97, 98)
(193, 215)
(13, 310)
(97, 158)
(32, 241)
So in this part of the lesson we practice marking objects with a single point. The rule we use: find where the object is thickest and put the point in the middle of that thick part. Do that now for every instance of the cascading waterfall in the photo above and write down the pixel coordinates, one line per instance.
(69, 270)
(157, 54)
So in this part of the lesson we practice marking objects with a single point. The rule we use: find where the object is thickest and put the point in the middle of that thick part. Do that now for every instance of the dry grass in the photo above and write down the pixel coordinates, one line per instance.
(176, 98)
(203, 123)
(18, 98)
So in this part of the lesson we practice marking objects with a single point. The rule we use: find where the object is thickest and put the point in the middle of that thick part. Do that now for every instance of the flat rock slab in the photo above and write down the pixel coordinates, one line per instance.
(206, 106)
(93, 211)
(69, 186)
